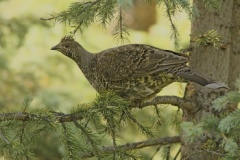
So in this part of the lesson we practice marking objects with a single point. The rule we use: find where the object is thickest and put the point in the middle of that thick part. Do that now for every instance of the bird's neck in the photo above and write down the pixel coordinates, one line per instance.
(83, 58)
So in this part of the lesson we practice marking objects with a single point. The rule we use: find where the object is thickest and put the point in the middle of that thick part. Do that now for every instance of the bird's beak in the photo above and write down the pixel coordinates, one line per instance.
(55, 47)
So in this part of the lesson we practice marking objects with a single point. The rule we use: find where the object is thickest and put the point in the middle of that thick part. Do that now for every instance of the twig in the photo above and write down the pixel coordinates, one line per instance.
(3, 137)
(90, 4)
(21, 116)
(157, 150)
(84, 131)
(174, 28)
(213, 152)
(168, 152)
(84, 10)
(177, 154)
(201, 151)
(24, 116)
(137, 145)
(143, 129)
(47, 19)
(192, 153)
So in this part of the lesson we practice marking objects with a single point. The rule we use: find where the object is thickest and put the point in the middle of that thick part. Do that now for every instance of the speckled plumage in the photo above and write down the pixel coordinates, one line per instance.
(135, 72)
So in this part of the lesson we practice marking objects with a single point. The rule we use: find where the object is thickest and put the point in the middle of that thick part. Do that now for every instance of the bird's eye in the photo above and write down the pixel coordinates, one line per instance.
(67, 46)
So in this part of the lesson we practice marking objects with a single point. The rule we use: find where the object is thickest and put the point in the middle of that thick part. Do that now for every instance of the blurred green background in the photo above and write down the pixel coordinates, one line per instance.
(29, 68)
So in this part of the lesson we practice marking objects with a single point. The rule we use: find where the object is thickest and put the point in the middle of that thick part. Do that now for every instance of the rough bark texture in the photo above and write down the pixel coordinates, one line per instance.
(234, 69)
(220, 64)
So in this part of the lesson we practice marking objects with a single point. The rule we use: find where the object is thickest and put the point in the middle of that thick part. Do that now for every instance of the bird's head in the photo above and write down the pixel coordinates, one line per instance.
(67, 46)
(72, 49)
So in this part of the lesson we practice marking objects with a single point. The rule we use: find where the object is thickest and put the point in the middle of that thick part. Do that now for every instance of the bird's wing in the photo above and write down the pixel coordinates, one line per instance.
(136, 60)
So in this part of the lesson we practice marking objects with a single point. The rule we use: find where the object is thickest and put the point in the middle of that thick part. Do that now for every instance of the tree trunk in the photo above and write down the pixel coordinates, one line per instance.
(220, 64)
(234, 66)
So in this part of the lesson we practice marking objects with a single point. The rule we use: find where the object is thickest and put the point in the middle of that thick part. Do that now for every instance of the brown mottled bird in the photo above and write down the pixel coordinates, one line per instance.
(136, 72)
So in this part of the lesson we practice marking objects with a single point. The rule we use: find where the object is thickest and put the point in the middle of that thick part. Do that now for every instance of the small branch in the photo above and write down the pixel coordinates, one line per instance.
(175, 33)
(177, 154)
(84, 10)
(137, 145)
(3, 137)
(21, 116)
(201, 151)
(214, 152)
(86, 5)
(24, 116)
(168, 152)
(143, 129)
(50, 18)
(191, 154)
(173, 100)
(121, 23)
(89, 138)
(157, 150)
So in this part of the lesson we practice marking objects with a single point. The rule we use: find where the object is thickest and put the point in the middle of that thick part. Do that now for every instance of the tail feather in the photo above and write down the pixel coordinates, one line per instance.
(190, 75)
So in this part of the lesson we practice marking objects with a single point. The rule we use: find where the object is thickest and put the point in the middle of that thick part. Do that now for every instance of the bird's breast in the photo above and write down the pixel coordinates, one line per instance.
(136, 87)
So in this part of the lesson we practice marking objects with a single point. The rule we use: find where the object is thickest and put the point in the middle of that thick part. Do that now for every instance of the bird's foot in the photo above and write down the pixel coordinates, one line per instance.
(137, 103)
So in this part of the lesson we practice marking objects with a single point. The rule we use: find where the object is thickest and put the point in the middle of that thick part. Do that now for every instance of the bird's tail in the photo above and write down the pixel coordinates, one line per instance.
(190, 75)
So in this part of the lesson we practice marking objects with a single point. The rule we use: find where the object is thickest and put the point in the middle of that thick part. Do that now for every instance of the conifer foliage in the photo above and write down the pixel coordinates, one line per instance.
(81, 14)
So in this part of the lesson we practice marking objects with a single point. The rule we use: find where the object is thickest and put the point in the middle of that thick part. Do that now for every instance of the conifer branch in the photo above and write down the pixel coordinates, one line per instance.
(70, 143)
(175, 33)
(21, 116)
(157, 150)
(4, 138)
(143, 129)
(61, 117)
(111, 126)
(80, 14)
(120, 32)
(137, 145)
(89, 138)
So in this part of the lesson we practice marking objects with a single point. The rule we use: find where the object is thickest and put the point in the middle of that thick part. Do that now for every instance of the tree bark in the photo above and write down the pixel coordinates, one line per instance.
(220, 64)
(234, 69)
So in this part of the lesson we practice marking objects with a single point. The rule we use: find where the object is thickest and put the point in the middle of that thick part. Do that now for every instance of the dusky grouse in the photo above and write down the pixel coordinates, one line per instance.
(135, 72)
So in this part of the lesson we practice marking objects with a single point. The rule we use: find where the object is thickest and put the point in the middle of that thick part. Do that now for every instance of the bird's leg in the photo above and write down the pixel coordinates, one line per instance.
(137, 103)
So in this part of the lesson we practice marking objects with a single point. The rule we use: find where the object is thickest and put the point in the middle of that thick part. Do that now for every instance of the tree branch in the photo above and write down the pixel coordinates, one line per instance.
(173, 100)
(137, 145)
(61, 117)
